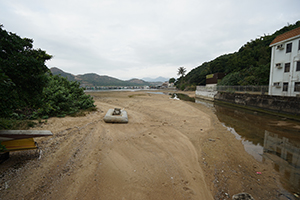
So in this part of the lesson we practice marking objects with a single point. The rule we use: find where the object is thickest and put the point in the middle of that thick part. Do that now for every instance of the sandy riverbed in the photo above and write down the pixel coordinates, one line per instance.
(170, 149)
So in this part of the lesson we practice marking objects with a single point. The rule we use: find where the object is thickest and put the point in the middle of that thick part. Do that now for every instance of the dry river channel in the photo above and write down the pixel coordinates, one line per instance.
(170, 149)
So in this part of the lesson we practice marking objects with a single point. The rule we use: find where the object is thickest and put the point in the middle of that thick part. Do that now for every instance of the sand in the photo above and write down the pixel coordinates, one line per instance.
(170, 149)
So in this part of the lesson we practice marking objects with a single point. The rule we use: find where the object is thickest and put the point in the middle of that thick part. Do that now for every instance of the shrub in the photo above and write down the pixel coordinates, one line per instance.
(62, 97)
(182, 87)
(190, 88)
(183, 97)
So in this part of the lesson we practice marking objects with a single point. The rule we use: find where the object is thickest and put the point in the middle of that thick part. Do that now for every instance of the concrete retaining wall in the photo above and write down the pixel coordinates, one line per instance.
(206, 92)
(205, 95)
(281, 104)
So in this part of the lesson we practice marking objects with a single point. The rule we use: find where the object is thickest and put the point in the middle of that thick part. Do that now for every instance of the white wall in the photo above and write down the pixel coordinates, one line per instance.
(278, 74)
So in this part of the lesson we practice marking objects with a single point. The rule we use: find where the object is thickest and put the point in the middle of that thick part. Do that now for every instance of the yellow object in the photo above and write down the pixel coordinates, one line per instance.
(17, 145)
(209, 76)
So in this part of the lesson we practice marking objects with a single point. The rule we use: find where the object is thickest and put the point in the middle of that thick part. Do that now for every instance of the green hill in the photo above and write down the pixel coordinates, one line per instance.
(92, 79)
(56, 71)
(250, 65)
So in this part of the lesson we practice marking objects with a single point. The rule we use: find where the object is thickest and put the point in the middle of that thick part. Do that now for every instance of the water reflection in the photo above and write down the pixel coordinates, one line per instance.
(209, 104)
(256, 150)
(267, 137)
(285, 156)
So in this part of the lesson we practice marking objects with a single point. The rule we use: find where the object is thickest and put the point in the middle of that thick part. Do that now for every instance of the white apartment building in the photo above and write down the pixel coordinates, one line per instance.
(285, 64)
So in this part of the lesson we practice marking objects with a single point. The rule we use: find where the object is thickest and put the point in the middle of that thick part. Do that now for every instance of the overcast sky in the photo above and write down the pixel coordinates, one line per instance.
(142, 38)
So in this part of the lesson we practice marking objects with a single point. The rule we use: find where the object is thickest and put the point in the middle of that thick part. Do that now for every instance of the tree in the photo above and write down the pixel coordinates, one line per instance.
(27, 88)
(7, 94)
(181, 71)
(22, 73)
(231, 79)
(62, 97)
(180, 83)
(172, 80)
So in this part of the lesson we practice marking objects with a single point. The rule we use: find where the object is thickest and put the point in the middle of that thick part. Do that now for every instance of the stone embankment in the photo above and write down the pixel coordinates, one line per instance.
(278, 104)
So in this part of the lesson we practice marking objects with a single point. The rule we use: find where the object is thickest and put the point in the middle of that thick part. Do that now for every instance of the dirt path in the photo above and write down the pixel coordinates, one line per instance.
(170, 149)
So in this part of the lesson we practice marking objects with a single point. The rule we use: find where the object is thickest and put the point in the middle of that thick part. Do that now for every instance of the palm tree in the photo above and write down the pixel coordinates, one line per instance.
(181, 71)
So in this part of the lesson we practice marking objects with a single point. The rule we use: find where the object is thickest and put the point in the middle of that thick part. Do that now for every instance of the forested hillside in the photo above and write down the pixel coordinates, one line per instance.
(250, 65)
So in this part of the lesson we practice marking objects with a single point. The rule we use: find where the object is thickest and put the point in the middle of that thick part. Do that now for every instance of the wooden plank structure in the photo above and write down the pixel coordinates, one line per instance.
(16, 140)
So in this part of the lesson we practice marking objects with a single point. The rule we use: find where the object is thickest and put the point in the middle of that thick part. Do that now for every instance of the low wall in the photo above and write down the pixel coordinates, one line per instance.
(205, 95)
(278, 104)
(206, 92)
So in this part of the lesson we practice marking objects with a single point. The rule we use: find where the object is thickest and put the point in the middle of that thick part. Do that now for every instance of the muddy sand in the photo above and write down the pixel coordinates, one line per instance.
(170, 149)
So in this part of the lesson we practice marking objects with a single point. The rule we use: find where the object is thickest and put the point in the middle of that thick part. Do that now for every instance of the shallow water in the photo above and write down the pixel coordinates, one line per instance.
(156, 92)
(265, 137)
(115, 90)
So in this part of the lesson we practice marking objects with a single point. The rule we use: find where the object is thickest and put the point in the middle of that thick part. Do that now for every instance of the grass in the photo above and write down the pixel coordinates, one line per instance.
(14, 124)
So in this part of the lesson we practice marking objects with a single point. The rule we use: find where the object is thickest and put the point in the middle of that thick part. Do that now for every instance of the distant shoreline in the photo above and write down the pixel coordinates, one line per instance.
(125, 90)
(120, 90)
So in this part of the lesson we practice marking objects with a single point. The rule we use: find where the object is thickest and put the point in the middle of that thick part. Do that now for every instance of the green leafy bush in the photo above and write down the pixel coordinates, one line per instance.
(182, 87)
(62, 97)
(231, 79)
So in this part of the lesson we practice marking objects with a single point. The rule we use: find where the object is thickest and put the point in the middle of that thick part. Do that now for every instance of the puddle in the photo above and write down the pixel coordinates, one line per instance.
(156, 92)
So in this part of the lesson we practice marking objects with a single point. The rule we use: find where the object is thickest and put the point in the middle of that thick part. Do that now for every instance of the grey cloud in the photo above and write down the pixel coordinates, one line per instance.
(132, 38)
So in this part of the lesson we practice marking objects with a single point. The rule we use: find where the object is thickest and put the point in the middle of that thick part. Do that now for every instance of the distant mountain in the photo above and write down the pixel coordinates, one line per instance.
(92, 79)
(56, 71)
(137, 81)
(158, 79)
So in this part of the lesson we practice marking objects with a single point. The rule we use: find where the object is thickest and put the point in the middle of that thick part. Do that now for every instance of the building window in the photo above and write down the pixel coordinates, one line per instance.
(285, 87)
(287, 67)
(289, 48)
(298, 66)
(297, 87)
